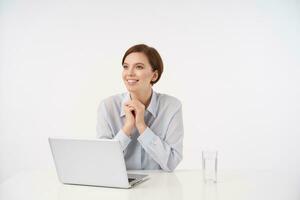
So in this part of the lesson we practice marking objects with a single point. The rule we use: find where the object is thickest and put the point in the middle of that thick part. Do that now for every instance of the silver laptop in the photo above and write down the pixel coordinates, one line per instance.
(95, 162)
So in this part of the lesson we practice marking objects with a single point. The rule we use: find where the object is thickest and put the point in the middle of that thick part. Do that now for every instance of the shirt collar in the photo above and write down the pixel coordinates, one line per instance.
(152, 107)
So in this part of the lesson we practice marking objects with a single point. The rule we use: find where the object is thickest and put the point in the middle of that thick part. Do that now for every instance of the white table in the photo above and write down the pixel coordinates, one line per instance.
(181, 184)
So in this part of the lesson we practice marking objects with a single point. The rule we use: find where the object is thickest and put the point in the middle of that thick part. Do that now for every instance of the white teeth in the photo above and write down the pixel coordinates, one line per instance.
(132, 81)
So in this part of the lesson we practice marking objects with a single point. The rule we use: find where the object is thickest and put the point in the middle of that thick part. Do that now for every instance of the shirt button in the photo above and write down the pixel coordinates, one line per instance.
(154, 142)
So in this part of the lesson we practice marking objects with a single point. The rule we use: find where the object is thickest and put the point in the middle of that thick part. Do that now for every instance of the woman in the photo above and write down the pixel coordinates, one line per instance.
(147, 124)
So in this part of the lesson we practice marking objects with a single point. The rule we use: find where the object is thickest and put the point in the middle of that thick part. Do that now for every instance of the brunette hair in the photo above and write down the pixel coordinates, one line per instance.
(152, 55)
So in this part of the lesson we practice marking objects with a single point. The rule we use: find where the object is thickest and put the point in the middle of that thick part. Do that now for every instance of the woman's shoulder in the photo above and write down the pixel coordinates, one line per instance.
(113, 100)
(166, 99)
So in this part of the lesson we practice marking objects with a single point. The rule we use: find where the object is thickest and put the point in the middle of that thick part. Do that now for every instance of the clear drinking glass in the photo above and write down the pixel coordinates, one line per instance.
(210, 165)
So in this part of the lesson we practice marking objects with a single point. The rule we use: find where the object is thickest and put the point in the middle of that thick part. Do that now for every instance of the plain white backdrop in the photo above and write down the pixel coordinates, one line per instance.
(235, 65)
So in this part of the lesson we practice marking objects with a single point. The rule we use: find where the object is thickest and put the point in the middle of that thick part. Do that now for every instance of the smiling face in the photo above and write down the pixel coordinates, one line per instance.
(137, 73)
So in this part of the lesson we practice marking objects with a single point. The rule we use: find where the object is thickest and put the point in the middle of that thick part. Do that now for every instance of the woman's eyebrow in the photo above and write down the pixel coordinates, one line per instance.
(134, 63)
(138, 63)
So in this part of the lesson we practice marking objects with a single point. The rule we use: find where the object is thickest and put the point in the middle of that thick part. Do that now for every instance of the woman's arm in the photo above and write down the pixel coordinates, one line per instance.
(167, 152)
(104, 131)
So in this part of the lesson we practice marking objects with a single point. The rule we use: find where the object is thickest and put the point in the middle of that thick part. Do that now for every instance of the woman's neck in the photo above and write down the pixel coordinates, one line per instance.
(143, 96)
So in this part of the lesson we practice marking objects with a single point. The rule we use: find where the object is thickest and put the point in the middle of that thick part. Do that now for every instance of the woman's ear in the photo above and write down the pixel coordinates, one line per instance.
(155, 76)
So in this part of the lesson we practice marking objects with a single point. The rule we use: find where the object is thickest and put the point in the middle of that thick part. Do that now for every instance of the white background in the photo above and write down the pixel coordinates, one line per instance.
(235, 65)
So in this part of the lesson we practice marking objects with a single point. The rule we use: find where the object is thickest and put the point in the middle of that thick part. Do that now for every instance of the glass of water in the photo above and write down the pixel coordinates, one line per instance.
(210, 165)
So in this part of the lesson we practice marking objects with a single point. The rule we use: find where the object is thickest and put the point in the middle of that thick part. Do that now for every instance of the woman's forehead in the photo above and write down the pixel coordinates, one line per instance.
(136, 57)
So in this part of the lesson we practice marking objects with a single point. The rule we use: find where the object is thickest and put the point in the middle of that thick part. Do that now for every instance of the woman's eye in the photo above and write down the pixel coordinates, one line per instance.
(125, 66)
(139, 67)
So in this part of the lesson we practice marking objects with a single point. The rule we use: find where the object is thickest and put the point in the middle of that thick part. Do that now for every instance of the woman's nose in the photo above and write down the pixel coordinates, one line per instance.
(131, 72)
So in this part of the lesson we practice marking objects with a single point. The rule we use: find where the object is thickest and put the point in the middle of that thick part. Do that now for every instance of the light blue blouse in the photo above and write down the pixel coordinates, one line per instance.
(160, 146)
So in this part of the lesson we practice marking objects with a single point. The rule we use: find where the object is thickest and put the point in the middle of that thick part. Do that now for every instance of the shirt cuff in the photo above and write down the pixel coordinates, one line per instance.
(148, 138)
(123, 138)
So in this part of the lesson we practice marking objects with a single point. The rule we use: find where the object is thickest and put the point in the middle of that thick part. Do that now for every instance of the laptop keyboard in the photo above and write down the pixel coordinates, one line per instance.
(130, 179)
(135, 177)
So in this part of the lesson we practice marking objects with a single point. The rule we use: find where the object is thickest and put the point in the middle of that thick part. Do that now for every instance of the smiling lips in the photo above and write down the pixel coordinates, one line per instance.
(132, 81)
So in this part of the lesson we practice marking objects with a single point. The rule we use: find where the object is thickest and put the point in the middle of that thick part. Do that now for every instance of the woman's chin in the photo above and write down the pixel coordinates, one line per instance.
(136, 89)
(131, 89)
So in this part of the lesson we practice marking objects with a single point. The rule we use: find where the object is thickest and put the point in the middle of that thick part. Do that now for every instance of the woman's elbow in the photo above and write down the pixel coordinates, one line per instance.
(172, 165)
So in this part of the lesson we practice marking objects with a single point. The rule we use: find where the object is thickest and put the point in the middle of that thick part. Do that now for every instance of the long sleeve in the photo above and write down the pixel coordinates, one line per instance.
(104, 131)
(166, 152)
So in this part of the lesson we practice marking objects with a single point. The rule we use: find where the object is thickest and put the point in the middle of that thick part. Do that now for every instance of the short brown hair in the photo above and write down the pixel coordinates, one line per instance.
(152, 55)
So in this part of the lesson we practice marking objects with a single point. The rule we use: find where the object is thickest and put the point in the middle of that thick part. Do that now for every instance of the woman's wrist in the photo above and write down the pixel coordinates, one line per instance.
(141, 127)
(127, 130)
